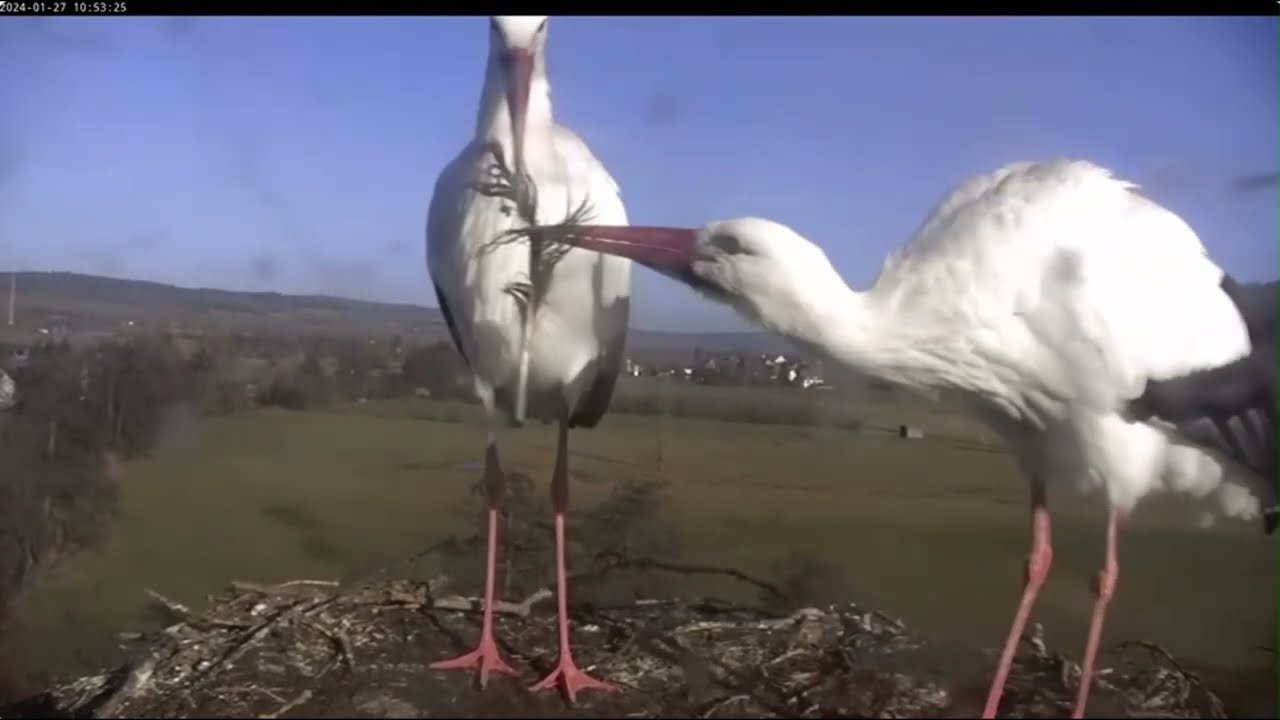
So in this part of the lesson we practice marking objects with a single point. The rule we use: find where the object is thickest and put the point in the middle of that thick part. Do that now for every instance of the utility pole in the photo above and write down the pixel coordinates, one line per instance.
(13, 295)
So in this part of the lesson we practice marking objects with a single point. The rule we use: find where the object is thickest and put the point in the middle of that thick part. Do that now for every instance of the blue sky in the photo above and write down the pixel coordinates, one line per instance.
(297, 154)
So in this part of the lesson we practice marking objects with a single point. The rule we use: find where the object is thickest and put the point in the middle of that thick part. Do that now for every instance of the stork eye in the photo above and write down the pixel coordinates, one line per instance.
(728, 244)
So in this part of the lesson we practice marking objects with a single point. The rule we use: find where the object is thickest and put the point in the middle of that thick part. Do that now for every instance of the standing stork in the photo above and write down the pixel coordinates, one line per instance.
(576, 308)
(1042, 297)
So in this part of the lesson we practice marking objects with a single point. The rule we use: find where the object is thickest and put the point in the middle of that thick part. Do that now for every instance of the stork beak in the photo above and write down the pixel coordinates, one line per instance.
(667, 250)
(519, 76)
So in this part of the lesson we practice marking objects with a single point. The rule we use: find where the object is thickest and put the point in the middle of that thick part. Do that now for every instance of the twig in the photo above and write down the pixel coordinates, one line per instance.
(300, 607)
(1216, 708)
(1158, 651)
(895, 622)
(617, 560)
(771, 624)
(190, 616)
(449, 543)
(1035, 638)
(341, 643)
(177, 608)
(474, 604)
(138, 679)
(303, 696)
(554, 234)
(417, 597)
(280, 588)
(721, 703)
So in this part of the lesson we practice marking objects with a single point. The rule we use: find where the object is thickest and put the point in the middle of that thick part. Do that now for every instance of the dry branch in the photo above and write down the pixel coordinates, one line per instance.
(767, 624)
(1159, 652)
(136, 681)
(284, 587)
(1187, 679)
(450, 543)
(615, 561)
(475, 604)
(247, 640)
(186, 614)
(302, 697)
(341, 644)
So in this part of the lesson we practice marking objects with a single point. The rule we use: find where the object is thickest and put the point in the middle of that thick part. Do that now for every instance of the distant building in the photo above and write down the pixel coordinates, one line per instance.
(632, 368)
(15, 347)
(908, 432)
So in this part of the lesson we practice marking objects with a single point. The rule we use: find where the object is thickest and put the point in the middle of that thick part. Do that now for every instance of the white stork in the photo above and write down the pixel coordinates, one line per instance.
(482, 282)
(1042, 298)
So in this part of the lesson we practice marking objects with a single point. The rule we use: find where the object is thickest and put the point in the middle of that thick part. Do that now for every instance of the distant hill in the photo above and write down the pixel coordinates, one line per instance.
(95, 302)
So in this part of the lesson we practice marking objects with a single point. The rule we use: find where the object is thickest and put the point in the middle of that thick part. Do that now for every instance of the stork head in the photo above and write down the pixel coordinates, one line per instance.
(765, 270)
(516, 47)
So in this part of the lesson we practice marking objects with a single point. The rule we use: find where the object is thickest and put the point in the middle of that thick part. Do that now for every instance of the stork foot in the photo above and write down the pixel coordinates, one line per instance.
(572, 679)
(486, 657)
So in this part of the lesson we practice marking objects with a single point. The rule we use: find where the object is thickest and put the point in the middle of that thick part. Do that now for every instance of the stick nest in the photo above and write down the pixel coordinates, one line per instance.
(314, 649)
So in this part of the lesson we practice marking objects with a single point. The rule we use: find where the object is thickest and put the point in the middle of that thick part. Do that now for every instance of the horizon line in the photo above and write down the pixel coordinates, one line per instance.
(391, 303)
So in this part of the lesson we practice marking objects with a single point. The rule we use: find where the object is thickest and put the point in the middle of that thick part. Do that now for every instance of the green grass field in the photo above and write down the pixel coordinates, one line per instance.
(927, 530)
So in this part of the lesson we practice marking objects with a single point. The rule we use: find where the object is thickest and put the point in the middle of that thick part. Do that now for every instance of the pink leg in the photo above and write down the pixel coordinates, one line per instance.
(1106, 587)
(486, 655)
(566, 670)
(1038, 562)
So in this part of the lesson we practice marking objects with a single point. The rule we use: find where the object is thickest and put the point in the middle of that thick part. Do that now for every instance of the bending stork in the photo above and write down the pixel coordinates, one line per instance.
(1042, 297)
(576, 305)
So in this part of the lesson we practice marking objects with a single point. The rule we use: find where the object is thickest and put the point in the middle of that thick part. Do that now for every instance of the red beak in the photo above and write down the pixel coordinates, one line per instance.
(667, 250)
(519, 76)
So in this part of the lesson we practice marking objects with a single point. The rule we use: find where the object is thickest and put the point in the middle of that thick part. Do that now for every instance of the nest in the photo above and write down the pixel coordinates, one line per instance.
(314, 649)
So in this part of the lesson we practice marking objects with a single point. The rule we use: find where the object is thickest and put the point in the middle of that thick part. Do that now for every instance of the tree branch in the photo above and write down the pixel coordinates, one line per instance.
(475, 604)
(615, 560)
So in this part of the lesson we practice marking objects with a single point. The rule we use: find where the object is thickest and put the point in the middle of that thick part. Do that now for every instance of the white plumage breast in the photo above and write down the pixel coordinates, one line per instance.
(476, 265)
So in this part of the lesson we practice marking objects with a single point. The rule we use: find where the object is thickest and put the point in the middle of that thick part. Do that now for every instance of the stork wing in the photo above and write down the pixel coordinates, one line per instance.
(1233, 407)
(448, 321)
(1114, 289)
(1107, 289)
(614, 278)
(1248, 383)
(444, 226)
(1125, 294)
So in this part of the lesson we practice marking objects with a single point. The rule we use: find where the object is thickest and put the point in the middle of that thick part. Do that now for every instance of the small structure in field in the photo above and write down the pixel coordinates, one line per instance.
(908, 432)
(8, 391)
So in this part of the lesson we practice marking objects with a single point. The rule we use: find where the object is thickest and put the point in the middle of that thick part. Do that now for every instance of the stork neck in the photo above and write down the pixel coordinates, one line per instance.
(494, 120)
(851, 327)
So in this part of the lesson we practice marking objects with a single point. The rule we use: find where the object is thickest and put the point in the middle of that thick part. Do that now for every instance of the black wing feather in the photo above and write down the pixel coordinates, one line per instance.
(595, 403)
(1232, 408)
(448, 320)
